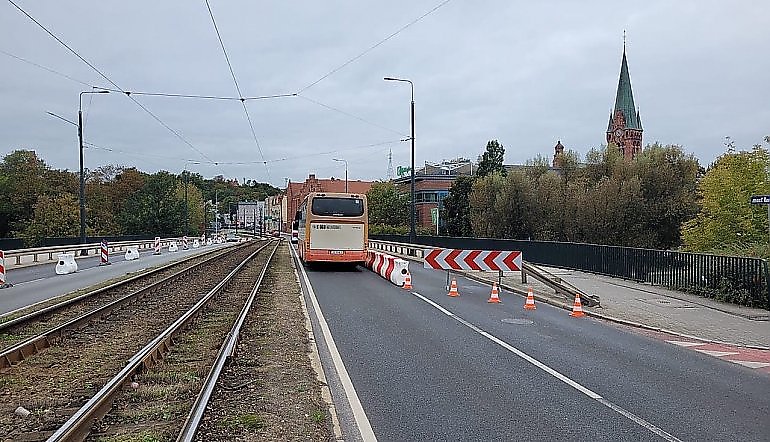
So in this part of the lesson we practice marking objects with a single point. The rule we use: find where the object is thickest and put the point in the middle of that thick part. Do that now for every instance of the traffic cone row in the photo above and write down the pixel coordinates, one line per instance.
(577, 308)
(453, 290)
(408, 282)
(530, 303)
(494, 297)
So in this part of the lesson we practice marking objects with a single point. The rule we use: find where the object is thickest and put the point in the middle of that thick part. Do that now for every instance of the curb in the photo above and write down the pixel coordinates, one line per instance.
(542, 298)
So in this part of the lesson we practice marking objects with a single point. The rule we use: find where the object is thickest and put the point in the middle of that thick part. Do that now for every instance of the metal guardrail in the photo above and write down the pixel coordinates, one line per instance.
(53, 252)
(740, 280)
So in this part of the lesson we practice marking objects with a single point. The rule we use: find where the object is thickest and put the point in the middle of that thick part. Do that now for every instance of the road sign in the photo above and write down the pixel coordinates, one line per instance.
(760, 199)
(434, 215)
(485, 260)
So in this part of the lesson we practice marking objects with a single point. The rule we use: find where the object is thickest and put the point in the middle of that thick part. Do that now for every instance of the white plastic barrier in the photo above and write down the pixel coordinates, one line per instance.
(209, 242)
(389, 267)
(132, 253)
(196, 243)
(172, 247)
(66, 264)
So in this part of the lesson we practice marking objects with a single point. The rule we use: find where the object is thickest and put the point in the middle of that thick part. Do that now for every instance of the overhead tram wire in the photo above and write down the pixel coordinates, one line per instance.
(238, 89)
(95, 69)
(350, 115)
(371, 48)
(45, 68)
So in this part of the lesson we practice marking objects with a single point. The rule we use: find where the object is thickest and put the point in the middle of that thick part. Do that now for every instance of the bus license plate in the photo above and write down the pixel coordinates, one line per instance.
(336, 252)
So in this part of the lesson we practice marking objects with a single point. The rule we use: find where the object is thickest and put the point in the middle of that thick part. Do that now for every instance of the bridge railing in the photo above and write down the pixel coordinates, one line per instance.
(740, 280)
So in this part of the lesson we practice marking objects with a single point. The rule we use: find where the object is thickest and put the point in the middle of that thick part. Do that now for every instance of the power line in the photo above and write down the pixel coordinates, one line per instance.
(95, 69)
(45, 68)
(351, 115)
(373, 47)
(238, 89)
(329, 152)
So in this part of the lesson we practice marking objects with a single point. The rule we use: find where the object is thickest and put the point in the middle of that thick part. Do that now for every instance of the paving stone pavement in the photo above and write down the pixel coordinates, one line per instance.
(660, 308)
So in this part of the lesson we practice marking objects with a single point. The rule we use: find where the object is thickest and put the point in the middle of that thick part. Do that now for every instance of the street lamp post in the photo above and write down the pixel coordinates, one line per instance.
(346, 172)
(412, 231)
(83, 252)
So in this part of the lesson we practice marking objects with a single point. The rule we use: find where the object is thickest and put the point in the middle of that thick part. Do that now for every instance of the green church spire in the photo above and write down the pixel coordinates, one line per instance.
(624, 98)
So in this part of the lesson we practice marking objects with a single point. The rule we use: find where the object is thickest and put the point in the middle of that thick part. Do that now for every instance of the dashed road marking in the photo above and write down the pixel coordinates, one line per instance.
(716, 353)
(686, 344)
(586, 391)
(751, 364)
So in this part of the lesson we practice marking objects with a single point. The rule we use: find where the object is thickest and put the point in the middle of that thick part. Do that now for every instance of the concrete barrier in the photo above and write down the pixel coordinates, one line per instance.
(196, 243)
(389, 267)
(66, 264)
(132, 253)
(172, 247)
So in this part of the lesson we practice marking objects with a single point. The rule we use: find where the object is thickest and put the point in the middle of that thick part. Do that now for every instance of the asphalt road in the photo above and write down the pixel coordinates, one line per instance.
(429, 367)
(38, 283)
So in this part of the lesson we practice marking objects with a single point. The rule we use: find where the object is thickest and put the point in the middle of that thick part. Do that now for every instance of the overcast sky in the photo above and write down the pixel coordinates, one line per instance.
(524, 73)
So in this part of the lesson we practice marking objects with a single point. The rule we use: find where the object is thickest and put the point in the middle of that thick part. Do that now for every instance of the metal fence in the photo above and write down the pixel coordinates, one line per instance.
(733, 279)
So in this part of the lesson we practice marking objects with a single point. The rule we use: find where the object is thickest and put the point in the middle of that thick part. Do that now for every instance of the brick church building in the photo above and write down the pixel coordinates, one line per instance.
(625, 127)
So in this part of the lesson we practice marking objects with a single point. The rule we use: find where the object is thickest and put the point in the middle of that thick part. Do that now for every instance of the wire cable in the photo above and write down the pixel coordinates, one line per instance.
(45, 68)
(238, 89)
(351, 115)
(371, 48)
(95, 69)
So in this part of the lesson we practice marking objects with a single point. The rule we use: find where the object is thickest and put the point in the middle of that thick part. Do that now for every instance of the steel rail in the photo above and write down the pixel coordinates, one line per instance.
(226, 352)
(65, 303)
(35, 344)
(78, 426)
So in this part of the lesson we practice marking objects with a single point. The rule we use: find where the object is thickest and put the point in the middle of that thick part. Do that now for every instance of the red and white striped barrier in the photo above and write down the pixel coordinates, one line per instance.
(157, 245)
(184, 243)
(105, 254)
(485, 260)
(389, 267)
(3, 283)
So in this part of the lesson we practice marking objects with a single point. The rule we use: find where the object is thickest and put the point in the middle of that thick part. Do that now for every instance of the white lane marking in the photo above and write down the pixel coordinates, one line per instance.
(595, 396)
(752, 364)
(686, 344)
(718, 354)
(27, 282)
(364, 427)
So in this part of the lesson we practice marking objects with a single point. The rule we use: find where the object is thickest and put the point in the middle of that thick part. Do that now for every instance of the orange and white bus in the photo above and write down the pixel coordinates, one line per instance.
(333, 227)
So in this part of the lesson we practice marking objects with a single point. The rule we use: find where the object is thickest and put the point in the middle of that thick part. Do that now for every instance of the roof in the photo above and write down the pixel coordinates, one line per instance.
(624, 98)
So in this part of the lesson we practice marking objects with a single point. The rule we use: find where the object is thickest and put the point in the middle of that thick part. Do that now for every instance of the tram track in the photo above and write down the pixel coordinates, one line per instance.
(15, 328)
(53, 385)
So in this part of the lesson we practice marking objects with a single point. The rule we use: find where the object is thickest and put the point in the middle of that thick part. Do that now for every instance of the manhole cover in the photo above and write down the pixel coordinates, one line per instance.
(517, 321)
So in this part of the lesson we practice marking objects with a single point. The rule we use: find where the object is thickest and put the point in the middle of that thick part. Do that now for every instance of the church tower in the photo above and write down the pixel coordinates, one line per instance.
(625, 127)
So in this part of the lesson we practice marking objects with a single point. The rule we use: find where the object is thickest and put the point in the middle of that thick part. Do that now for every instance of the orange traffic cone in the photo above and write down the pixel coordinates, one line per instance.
(408, 282)
(530, 304)
(453, 289)
(577, 308)
(494, 298)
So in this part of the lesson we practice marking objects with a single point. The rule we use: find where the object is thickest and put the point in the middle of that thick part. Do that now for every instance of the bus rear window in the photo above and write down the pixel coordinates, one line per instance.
(328, 206)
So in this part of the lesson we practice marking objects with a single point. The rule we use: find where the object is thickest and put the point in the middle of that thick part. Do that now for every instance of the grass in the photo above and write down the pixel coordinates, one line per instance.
(144, 436)
(318, 416)
(249, 421)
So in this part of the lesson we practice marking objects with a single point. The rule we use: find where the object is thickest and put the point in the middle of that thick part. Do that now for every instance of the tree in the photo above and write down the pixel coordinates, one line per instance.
(21, 182)
(726, 218)
(456, 211)
(492, 159)
(388, 206)
(155, 209)
(57, 216)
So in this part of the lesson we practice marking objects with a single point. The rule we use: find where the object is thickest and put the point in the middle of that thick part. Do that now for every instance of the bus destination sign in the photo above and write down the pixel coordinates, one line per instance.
(760, 199)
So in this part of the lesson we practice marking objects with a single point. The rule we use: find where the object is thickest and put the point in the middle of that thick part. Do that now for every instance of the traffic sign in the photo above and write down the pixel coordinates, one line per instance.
(760, 199)
(484, 260)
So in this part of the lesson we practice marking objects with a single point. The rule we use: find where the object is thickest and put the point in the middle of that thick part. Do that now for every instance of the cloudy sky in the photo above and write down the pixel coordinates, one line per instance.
(525, 73)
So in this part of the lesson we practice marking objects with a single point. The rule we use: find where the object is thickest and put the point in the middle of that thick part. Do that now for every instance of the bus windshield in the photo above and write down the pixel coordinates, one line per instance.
(330, 206)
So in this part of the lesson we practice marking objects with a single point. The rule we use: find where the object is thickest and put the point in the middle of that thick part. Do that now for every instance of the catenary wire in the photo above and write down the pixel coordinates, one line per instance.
(350, 115)
(95, 69)
(371, 48)
(238, 89)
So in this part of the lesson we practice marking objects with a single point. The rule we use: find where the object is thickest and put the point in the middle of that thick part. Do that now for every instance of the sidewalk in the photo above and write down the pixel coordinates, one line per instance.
(656, 307)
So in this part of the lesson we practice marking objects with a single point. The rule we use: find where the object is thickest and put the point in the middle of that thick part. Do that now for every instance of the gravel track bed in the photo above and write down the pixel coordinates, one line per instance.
(158, 407)
(58, 381)
(15, 334)
(270, 392)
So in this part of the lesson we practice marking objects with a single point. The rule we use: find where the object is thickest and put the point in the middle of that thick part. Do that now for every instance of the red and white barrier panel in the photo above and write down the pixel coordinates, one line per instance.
(485, 260)
(105, 254)
(389, 267)
(2, 269)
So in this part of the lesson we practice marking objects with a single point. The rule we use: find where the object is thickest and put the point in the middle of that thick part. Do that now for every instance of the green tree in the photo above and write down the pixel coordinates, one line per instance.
(726, 218)
(155, 208)
(22, 180)
(492, 159)
(54, 216)
(388, 206)
(456, 211)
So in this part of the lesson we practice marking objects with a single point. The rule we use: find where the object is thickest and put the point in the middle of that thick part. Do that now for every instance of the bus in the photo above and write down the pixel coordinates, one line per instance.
(332, 227)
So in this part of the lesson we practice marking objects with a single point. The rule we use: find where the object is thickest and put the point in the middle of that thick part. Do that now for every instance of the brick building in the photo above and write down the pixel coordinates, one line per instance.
(295, 193)
(431, 186)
